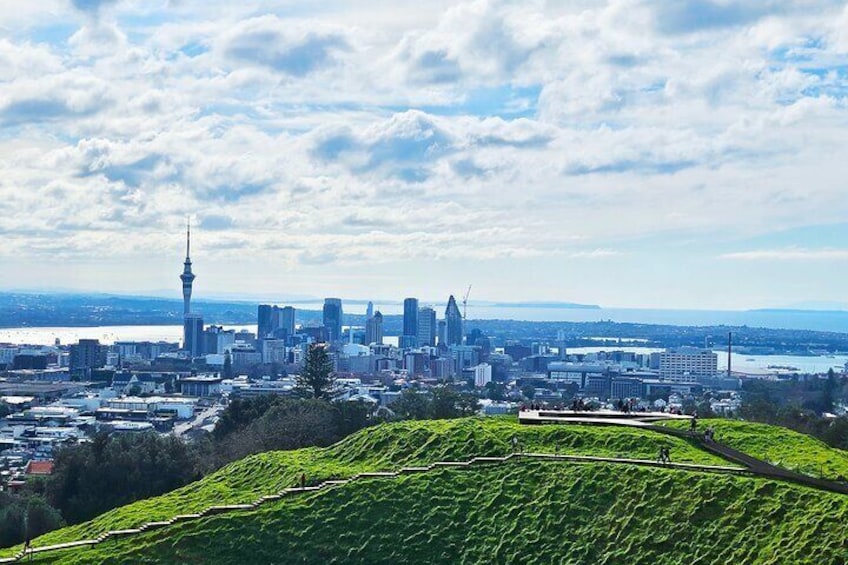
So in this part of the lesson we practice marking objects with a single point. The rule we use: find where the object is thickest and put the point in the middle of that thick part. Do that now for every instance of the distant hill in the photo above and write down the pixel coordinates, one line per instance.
(550, 305)
(521, 511)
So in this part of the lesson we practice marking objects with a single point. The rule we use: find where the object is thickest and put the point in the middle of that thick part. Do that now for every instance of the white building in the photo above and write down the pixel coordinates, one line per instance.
(274, 351)
(685, 364)
(482, 375)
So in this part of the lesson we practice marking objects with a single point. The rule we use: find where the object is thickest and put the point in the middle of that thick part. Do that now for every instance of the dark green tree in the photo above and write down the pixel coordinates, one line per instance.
(444, 403)
(316, 379)
(412, 405)
(495, 391)
(228, 365)
(829, 389)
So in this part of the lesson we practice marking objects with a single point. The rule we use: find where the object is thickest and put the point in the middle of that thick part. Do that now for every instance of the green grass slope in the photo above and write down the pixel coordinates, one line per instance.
(385, 447)
(779, 446)
(520, 512)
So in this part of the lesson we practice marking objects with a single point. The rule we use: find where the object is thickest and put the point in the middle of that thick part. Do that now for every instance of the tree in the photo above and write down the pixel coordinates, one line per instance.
(91, 478)
(495, 391)
(529, 391)
(316, 380)
(228, 365)
(412, 405)
(829, 391)
(444, 403)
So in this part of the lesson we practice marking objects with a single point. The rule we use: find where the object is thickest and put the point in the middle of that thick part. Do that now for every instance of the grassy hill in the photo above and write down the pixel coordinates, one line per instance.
(386, 447)
(519, 512)
(779, 446)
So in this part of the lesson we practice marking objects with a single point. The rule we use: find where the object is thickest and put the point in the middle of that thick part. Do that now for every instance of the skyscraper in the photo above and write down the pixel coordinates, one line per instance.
(427, 326)
(374, 329)
(187, 277)
(453, 319)
(410, 323)
(265, 323)
(333, 314)
(193, 334)
(287, 314)
(369, 311)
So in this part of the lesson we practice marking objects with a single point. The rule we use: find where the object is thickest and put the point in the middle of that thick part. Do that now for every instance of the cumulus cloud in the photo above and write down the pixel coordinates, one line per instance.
(92, 6)
(296, 50)
(483, 130)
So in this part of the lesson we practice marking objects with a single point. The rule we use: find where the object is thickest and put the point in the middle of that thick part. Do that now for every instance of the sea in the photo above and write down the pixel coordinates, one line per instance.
(818, 320)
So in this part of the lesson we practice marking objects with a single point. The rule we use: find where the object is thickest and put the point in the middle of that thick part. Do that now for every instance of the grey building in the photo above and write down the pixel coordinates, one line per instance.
(193, 334)
(332, 319)
(453, 321)
(427, 326)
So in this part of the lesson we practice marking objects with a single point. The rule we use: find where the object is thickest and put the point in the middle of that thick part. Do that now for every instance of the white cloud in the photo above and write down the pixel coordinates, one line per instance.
(789, 254)
(366, 135)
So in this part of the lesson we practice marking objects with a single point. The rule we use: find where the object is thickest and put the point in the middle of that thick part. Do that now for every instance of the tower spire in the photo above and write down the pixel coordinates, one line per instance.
(187, 277)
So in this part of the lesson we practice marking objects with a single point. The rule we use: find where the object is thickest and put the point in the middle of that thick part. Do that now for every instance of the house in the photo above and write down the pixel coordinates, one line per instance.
(39, 468)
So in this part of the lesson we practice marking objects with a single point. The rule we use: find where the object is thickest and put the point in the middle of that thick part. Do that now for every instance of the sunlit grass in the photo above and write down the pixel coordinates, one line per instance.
(385, 447)
(520, 512)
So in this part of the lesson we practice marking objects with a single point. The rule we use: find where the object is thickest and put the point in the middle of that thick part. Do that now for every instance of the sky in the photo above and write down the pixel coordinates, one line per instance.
(631, 153)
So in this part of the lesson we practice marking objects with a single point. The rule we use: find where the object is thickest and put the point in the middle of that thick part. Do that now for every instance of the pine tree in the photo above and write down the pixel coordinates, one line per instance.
(316, 380)
(228, 366)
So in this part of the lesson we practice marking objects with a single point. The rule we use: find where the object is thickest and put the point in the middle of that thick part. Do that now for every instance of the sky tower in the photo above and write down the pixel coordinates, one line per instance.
(187, 277)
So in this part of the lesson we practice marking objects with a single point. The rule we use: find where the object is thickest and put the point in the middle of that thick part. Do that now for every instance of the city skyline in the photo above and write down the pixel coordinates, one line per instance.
(698, 164)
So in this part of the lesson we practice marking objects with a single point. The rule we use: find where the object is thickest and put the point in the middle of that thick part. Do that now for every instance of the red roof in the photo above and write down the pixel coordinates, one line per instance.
(39, 468)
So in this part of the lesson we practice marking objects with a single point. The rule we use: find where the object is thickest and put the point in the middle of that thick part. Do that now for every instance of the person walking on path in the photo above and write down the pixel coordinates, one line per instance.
(693, 423)
(303, 480)
(515, 444)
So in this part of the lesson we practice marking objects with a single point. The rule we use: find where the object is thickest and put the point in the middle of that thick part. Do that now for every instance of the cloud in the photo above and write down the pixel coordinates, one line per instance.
(788, 254)
(295, 50)
(216, 222)
(686, 16)
(92, 5)
(594, 254)
(374, 138)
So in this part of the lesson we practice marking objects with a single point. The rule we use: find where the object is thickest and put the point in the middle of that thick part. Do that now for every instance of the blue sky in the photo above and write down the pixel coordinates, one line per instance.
(630, 153)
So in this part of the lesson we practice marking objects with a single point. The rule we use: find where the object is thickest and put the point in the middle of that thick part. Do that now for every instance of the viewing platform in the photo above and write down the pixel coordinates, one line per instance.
(597, 417)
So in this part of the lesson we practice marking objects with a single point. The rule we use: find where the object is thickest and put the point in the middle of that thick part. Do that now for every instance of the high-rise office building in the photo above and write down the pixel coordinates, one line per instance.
(287, 322)
(193, 334)
(369, 311)
(87, 354)
(333, 315)
(427, 326)
(410, 323)
(265, 320)
(374, 329)
(218, 340)
(453, 319)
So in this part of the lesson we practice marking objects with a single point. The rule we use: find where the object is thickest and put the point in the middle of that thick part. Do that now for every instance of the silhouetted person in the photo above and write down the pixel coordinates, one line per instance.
(303, 480)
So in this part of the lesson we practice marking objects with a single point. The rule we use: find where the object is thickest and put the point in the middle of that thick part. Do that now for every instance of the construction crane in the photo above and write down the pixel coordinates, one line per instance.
(465, 303)
(465, 312)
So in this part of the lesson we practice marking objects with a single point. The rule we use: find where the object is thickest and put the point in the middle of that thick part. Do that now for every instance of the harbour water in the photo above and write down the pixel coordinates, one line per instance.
(818, 320)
